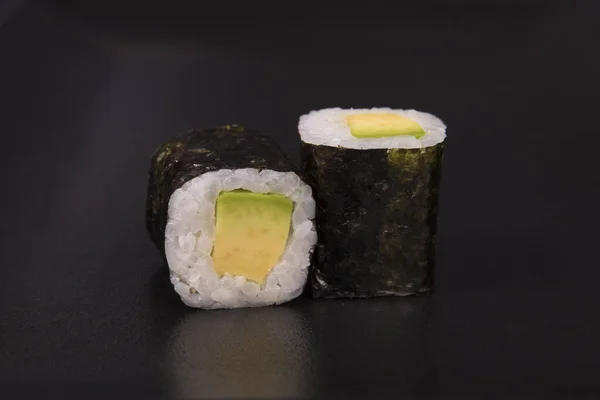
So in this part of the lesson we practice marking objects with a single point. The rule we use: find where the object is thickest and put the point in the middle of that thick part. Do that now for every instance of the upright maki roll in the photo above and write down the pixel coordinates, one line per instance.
(375, 175)
(231, 217)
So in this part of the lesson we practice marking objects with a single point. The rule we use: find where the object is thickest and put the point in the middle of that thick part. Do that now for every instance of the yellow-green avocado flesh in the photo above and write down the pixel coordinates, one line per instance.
(251, 233)
(377, 125)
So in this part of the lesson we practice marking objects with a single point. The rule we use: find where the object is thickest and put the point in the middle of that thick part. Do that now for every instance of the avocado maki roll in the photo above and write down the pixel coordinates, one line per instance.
(231, 217)
(375, 174)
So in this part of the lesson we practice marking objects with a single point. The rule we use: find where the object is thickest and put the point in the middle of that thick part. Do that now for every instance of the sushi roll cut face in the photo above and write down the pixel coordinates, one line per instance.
(372, 128)
(233, 219)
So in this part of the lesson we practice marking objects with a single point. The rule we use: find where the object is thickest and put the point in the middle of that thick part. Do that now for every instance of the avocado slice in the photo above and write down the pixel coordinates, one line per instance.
(251, 233)
(376, 125)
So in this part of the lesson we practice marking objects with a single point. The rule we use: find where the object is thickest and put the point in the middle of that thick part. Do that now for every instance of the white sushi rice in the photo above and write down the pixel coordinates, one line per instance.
(328, 127)
(190, 232)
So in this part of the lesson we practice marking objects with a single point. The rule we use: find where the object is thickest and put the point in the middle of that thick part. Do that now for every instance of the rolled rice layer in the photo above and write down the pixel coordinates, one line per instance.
(190, 233)
(328, 127)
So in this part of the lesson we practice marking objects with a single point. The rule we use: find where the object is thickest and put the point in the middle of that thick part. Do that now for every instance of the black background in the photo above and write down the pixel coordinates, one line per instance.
(89, 89)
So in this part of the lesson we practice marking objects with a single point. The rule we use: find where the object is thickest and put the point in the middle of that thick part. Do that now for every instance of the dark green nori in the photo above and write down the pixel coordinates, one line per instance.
(199, 151)
(376, 219)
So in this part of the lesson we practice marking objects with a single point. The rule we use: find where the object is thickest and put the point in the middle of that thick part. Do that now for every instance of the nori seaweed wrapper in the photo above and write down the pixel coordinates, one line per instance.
(376, 219)
(197, 152)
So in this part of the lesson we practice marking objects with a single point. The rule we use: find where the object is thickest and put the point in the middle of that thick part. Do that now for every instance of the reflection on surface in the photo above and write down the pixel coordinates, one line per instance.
(373, 347)
(331, 347)
(246, 352)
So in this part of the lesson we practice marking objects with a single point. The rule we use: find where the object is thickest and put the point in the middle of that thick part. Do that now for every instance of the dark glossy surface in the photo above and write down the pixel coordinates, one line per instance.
(88, 92)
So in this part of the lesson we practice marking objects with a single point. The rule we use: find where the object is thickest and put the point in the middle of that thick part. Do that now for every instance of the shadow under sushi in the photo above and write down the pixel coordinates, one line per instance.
(299, 348)
(250, 352)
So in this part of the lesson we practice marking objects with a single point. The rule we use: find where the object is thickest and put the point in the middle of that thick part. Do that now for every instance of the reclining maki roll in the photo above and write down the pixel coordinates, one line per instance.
(375, 175)
(232, 218)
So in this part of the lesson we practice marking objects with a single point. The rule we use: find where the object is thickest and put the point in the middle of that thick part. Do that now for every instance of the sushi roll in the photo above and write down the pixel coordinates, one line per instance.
(375, 174)
(231, 217)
